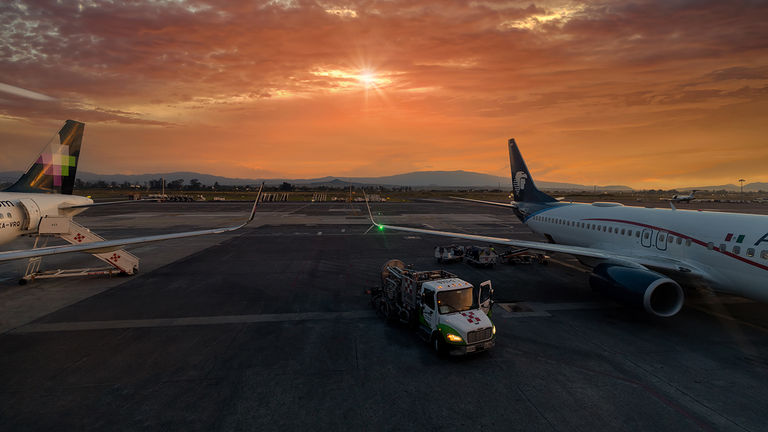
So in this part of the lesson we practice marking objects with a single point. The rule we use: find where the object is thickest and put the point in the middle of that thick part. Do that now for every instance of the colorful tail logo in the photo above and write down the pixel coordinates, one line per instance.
(55, 168)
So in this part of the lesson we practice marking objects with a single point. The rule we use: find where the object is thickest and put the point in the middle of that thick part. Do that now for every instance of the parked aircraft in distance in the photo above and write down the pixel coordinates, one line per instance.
(641, 256)
(684, 198)
(41, 204)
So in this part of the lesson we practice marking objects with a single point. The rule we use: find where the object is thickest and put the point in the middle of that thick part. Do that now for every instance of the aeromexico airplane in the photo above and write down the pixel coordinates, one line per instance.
(45, 190)
(641, 256)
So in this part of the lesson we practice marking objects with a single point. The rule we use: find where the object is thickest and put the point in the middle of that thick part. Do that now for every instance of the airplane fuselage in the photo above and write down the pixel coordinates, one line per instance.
(20, 213)
(731, 249)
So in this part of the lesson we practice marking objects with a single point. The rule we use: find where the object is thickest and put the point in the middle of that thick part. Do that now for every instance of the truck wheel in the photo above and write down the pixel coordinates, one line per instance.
(437, 344)
(384, 310)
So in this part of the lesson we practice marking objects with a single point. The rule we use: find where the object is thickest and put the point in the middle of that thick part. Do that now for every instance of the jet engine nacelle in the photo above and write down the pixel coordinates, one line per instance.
(656, 293)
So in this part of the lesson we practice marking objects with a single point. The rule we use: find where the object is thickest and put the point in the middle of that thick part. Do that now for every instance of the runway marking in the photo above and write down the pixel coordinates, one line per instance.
(728, 317)
(570, 266)
(192, 321)
(534, 309)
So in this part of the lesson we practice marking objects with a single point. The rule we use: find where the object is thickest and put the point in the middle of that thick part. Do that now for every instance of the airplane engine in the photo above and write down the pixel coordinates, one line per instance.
(656, 293)
(32, 214)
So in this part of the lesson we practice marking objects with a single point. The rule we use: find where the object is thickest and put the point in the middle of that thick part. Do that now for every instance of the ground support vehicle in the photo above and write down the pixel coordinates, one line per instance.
(481, 256)
(449, 254)
(442, 307)
(522, 256)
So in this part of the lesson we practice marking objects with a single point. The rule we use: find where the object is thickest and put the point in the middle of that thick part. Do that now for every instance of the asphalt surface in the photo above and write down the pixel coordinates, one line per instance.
(270, 329)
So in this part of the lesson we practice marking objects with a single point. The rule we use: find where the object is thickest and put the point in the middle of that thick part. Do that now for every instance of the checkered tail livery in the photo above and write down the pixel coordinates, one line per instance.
(54, 170)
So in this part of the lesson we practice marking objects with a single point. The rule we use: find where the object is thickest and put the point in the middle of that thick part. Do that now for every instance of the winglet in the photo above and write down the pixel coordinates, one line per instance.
(370, 215)
(255, 203)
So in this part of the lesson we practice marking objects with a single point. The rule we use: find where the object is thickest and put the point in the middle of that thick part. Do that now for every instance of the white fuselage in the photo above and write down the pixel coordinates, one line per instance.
(730, 249)
(18, 215)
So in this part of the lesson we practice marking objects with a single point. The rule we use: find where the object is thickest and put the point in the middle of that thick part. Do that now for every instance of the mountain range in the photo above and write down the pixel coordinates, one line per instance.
(418, 179)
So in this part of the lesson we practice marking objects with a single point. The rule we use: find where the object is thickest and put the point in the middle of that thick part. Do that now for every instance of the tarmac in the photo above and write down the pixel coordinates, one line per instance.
(269, 328)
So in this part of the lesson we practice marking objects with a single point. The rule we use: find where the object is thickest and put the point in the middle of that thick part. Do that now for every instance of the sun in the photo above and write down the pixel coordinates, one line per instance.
(367, 78)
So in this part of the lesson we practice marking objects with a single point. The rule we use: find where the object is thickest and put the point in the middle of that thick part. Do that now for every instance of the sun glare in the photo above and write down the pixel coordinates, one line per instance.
(367, 78)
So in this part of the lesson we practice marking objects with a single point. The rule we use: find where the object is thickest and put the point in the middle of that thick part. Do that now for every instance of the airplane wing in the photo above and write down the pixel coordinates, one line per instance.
(609, 256)
(103, 203)
(485, 202)
(110, 245)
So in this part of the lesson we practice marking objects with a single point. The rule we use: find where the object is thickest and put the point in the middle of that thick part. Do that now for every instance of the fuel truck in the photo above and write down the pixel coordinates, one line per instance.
(440, 305)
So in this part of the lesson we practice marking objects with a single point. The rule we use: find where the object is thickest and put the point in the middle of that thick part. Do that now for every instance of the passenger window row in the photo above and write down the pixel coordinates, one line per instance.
(668, 238)
(736, 250)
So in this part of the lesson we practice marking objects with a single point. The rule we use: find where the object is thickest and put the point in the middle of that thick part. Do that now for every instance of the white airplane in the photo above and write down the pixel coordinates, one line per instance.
(41, 202)
(640, 256)
(684, 198)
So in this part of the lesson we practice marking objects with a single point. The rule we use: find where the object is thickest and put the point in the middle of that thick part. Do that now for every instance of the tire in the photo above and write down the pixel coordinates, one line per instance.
(384, 310)
(437, 344)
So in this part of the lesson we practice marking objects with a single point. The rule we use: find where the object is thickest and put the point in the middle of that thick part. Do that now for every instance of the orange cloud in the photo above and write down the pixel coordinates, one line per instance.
(649, 93)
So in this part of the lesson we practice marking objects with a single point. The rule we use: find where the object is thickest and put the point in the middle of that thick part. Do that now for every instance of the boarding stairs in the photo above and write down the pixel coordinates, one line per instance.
(120, 261)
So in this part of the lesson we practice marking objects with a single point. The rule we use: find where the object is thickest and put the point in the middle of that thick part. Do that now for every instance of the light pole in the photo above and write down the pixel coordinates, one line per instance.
(742, 185)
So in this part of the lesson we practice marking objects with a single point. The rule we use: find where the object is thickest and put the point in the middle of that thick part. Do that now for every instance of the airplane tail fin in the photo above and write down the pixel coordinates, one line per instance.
(522, 183)
(55, 168)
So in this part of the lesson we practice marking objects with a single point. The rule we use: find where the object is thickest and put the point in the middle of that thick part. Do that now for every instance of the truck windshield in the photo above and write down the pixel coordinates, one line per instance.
(454, 300)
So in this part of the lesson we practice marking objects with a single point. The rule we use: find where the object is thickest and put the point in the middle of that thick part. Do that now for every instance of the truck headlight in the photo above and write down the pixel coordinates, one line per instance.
(453, 338)
(494, 329)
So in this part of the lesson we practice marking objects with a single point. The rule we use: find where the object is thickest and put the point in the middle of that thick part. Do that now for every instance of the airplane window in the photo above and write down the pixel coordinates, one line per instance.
(605, 228)
(750, 252)
(710, 246)
(637, 234)
(646, 235)
(687, 242)
(623, 231)
(679, 240)
(723, 247)
(629, 233)
(9, 215)
(661, 237)
(737, 250)
(670, 239)
(610, 229)
(764, 254)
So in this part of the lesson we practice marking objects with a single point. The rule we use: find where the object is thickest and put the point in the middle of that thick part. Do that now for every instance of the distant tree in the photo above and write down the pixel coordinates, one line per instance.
(156, 184)
(175, 185)
(286, 187)
(195, 184)
(216, 186)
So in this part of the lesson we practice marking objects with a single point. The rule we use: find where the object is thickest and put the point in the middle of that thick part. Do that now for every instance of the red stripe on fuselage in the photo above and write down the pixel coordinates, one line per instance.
(716, 249)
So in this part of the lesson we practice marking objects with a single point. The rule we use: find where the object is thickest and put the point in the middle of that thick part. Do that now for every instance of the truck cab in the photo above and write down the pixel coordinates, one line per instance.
(457, 323)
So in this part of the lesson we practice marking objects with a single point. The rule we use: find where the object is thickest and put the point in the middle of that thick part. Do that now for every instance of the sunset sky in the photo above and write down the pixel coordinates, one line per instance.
(642, 93)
